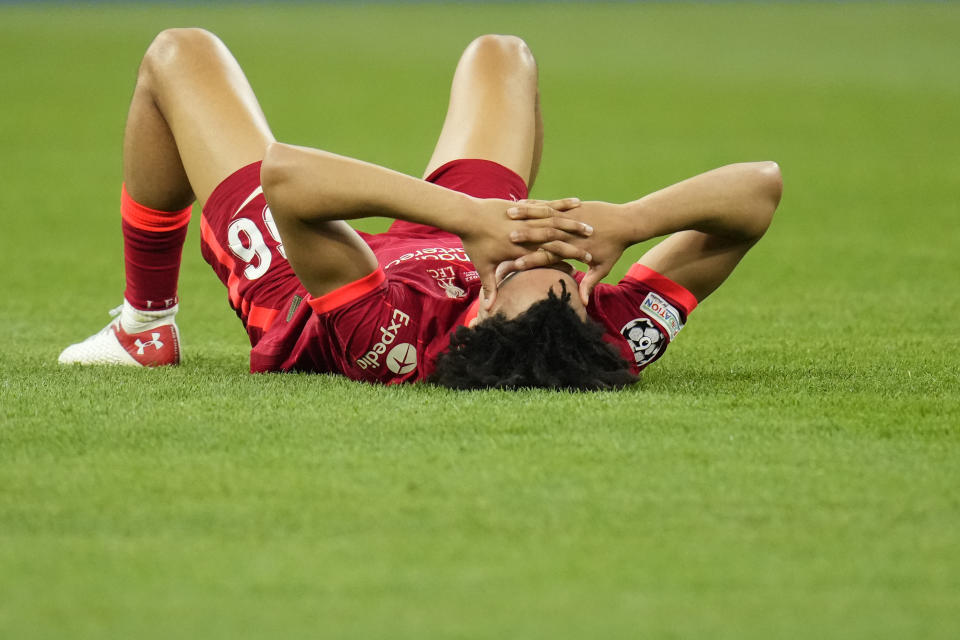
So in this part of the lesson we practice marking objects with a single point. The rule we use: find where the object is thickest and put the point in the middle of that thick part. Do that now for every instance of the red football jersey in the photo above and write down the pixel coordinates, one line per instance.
(390, 326)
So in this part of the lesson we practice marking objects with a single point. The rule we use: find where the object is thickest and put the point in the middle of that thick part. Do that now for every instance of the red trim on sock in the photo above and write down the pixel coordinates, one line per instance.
(152, 247)
(348, 292)
(147, 219)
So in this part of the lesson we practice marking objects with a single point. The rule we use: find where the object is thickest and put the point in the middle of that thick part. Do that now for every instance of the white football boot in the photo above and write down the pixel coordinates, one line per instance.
(133, 338)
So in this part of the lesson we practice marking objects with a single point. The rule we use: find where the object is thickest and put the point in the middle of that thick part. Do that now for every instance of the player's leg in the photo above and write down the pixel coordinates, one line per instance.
(193, 121)
(494, 110)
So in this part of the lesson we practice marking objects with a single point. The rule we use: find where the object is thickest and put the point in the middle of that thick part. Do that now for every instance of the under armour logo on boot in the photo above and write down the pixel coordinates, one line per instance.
(154, 342)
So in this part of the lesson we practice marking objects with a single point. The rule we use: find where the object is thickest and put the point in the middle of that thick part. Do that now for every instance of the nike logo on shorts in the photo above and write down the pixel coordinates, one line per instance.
(250, 197)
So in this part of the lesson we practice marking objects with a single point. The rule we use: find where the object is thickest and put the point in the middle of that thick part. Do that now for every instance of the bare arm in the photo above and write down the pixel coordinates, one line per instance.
(714, 219)
(315, 186)
(311, 193)
(735, 202)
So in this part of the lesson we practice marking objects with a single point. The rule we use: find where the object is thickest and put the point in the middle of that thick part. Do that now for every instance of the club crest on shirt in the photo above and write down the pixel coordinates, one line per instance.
(645, 339)
(663, 313)
(446, 280)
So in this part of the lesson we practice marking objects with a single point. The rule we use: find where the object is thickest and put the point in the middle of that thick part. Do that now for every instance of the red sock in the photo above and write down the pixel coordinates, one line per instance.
(152, 246)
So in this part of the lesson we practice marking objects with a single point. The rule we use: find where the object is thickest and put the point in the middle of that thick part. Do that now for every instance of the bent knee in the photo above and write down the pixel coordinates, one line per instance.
(495, 42)
(171, 46)
(501, 49)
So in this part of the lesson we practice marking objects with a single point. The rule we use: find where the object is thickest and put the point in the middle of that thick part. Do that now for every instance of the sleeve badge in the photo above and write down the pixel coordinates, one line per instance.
(645, 339)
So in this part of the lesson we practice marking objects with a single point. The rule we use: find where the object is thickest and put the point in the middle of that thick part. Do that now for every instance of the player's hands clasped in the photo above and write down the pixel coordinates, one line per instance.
(496, 238)
(603, 247)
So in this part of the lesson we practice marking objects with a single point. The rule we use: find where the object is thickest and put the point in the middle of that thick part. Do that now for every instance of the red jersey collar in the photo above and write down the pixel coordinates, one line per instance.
(472, 312)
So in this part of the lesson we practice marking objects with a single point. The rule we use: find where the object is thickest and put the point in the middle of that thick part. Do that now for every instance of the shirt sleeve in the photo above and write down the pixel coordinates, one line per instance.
(643, 313)
(644, 278)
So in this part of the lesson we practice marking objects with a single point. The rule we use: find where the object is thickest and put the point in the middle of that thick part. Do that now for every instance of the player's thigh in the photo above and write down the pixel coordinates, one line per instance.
(208, 104)
(492, 111)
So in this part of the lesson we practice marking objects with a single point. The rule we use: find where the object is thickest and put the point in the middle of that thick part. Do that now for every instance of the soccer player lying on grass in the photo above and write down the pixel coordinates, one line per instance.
(422, 301)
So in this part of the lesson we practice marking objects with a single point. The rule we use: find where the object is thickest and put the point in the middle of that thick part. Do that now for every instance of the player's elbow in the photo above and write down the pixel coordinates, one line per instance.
(772, 180)
(274, 170)
(276, 178)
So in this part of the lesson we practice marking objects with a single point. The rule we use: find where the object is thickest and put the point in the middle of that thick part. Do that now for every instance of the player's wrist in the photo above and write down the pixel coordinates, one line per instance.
(468, 219)
(637, 219)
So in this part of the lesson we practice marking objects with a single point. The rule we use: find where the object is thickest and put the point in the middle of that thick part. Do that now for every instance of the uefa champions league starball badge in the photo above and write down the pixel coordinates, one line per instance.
(645, 339)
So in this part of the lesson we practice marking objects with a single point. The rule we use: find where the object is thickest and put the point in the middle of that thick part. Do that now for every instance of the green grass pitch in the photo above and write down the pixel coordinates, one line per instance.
(790, 469)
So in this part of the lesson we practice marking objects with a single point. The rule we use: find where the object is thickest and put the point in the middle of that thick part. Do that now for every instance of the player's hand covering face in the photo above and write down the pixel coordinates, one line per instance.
(496, 238)
(603, 247)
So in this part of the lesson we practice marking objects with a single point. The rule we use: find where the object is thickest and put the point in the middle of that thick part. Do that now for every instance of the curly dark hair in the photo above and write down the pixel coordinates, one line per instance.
(547, 346)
